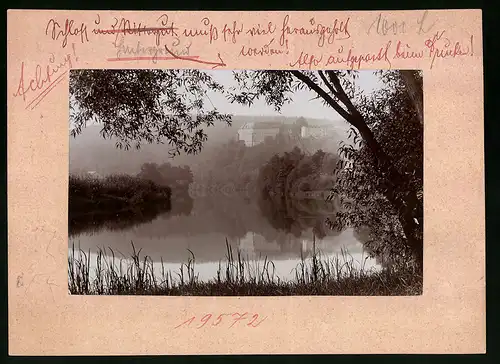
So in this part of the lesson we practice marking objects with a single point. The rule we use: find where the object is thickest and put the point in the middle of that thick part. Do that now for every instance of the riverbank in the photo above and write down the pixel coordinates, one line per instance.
(114, 200)
(115, 192)
(236, 276)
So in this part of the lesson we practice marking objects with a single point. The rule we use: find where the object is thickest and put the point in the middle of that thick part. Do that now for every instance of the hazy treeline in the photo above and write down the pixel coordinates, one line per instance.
(89, 151)
(114, 202)
(234, 165)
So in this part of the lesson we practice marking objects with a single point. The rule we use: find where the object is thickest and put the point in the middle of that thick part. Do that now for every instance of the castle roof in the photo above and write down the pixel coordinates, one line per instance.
(262, 125)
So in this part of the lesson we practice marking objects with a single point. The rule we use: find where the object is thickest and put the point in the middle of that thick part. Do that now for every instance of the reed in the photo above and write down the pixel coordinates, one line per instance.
(236, 276)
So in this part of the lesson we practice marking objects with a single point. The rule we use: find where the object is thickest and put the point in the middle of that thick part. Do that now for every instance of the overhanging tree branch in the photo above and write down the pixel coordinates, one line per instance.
(328, 84)
(334, 104)
(342, 94)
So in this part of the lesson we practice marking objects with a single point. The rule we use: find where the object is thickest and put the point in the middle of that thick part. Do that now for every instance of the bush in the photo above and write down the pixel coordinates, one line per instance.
(113, 194)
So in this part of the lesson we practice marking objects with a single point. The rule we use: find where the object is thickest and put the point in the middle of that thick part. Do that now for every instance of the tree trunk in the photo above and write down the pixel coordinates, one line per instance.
(405, 204)
(414, 86)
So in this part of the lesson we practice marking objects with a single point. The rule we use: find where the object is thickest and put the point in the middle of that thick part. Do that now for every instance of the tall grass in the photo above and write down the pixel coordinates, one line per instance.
(236, 276)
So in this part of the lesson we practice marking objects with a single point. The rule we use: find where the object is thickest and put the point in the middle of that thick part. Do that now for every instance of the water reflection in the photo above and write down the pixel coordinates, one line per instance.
(203, 226)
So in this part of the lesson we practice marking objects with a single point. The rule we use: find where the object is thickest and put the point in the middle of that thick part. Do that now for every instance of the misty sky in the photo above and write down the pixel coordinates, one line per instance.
(301, 106)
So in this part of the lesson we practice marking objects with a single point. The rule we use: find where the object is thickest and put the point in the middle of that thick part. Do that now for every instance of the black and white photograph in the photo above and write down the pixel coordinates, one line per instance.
(194, 182)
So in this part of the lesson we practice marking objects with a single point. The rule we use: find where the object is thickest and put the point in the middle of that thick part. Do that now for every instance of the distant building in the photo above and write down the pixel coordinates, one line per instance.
(255, 133)
(317, 131)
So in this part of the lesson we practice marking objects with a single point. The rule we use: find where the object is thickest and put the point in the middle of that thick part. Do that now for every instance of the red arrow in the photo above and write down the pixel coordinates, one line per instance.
(215, 64)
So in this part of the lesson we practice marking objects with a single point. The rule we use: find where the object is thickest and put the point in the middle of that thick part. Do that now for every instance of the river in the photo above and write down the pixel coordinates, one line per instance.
(205, 225)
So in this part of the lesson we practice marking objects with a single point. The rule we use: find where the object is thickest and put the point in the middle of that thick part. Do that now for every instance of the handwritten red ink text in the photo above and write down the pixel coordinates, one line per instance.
(215, 64)
(404, 51)
(265, 50)
(126, 27)
(447, 48)
(326, 34)
(55, 31)
(354, 61)
(226, 319)
(231, 32)
(44, 78)
(210, 31)
(257, 30)
(307, 60)
(124, 51)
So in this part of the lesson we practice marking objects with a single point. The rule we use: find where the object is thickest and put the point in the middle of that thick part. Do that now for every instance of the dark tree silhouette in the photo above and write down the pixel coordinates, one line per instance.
(151, 172)
(394, 119)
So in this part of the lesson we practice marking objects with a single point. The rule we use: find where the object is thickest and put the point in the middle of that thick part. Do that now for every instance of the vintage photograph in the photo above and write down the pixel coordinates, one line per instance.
(245, 183)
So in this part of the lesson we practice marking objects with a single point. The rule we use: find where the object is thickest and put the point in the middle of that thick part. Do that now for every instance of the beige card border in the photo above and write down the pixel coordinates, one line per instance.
(448, 318)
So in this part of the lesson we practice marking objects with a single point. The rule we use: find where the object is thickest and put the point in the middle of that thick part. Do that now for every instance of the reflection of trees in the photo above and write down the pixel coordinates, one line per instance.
(182, 203)
(297, 216)
(233, 217)
(95, 221)
(236, 216)
(229, 216)
(281, 181)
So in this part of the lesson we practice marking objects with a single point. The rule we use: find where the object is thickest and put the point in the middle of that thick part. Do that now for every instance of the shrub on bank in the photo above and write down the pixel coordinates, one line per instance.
(113, 192)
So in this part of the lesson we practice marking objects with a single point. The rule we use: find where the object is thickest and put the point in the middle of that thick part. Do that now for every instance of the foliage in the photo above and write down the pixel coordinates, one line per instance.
(167, 175)
(277, 88)
(393, 118)
(114, 202)
(124, 186)
(284, 182)
(153, 106)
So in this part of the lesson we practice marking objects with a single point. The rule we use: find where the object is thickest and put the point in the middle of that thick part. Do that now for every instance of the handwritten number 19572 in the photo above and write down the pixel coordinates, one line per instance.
(230, 319)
